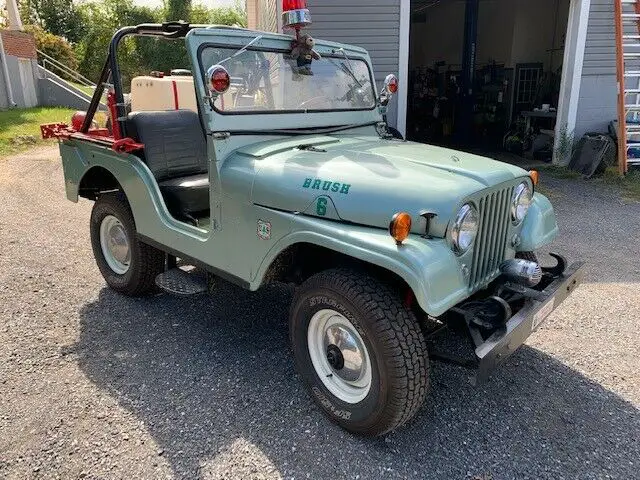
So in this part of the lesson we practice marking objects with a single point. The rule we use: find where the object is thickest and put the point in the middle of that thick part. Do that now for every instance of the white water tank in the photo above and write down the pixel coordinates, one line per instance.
(172, 92)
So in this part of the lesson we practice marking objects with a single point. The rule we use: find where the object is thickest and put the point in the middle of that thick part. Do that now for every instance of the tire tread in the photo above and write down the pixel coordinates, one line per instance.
(396, 327)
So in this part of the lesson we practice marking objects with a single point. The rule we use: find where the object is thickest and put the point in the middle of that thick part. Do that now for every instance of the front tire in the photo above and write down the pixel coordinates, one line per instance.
(128, 265)
(359, 350)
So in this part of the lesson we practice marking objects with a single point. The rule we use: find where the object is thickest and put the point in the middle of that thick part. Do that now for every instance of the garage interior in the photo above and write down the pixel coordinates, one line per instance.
(485, 74)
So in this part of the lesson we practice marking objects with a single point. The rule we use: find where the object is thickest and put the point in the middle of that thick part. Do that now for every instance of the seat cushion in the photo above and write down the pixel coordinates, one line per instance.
(186, 196)
(174, 142)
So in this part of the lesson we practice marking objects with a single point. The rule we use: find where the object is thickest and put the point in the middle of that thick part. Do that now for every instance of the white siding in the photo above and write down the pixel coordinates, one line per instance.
(370, 24)
(600, 50)
(597, 105)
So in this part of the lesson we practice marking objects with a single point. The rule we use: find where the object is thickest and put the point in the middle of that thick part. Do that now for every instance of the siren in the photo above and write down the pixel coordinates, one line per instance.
(295, 14)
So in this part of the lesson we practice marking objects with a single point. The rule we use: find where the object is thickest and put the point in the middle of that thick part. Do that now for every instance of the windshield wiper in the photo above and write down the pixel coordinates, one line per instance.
(242, 50)
(298, 131)
(347, 69)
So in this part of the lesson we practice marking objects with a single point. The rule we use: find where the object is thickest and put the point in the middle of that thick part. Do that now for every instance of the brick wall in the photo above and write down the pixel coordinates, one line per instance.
(19, 44)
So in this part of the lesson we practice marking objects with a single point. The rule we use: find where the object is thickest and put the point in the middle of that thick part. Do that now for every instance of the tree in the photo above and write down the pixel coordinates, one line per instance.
(59, 17)
(54, 46)
(177, 10)
(100, 19)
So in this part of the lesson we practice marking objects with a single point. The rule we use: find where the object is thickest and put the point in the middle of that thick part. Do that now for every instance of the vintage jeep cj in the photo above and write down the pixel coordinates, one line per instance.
(282, 170)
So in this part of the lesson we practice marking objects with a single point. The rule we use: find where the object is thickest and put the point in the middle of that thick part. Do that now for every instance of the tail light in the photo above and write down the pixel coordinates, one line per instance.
(295, 14)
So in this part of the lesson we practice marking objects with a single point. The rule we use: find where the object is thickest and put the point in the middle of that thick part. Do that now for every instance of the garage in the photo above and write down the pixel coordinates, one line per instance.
(486, 74)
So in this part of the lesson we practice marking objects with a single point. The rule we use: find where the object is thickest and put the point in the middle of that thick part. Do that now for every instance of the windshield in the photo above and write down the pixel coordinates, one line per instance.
(265, 81)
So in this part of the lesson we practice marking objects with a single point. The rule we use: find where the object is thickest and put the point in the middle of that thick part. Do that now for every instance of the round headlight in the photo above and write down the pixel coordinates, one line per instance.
(465, 229)
(522, 197)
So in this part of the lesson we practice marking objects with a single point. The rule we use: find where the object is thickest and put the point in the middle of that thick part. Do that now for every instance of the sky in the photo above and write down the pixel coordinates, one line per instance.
(208, 3)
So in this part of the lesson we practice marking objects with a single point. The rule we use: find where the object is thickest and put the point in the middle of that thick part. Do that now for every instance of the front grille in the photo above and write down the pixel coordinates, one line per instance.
(491, 243)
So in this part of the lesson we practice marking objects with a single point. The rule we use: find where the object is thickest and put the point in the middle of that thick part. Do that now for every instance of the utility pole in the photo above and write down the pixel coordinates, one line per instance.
(14, 15)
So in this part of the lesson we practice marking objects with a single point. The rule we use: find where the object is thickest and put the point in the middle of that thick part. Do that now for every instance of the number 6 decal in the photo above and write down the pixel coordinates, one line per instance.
(321, 207)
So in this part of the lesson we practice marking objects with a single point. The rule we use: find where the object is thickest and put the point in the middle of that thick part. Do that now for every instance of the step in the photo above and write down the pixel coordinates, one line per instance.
(182, 281)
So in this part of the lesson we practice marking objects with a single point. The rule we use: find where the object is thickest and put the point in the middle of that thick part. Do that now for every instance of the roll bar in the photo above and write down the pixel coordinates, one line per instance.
(168, 30)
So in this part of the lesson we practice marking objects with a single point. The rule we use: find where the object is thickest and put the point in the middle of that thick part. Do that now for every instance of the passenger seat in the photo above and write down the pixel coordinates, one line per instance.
(175, 150)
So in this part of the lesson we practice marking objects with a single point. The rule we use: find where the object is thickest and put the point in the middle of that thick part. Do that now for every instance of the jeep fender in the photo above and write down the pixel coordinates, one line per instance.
(134, 177)
(540, 227)
(429, 267)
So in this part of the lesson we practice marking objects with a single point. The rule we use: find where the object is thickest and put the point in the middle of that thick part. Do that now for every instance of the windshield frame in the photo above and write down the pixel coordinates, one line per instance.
(334, 56)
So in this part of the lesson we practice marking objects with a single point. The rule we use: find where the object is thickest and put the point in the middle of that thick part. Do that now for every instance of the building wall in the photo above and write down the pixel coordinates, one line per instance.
(21, 58)
(597, 105)
(509, 32)
(371, 24)
(539, 31)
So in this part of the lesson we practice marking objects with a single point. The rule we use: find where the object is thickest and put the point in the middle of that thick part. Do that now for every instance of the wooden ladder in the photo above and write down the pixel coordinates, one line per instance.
(627, 20)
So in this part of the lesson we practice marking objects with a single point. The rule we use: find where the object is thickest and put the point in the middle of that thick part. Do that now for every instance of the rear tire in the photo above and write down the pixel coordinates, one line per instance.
(128, 265)
(359, 350)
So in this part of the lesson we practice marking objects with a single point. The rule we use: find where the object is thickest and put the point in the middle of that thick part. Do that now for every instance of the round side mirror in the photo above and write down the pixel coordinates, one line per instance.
(219, 79)
(391, 84)
(389, 89)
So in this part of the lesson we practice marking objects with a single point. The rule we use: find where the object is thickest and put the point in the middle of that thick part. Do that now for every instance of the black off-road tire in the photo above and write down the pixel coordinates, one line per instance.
(392, 336)
(146, 262)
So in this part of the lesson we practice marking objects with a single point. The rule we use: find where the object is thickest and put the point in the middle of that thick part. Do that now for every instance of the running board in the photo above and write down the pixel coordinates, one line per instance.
(184, 282)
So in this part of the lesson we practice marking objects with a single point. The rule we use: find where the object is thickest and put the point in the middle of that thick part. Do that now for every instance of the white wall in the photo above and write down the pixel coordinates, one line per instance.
(534, 23)
(598, 91)
(509, 32)
(597, 105)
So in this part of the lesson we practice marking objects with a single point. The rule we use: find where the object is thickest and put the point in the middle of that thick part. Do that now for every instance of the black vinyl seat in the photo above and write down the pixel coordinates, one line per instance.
(175, 150)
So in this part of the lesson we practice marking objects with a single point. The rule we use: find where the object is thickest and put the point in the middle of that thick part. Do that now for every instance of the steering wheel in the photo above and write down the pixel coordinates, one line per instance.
(315, 99)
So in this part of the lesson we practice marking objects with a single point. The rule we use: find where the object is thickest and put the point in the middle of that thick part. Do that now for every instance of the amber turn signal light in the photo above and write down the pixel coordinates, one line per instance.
(400, 226)
(535, 177)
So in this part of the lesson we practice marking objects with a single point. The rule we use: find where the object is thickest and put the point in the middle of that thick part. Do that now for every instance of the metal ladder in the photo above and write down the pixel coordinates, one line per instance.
(627, 20)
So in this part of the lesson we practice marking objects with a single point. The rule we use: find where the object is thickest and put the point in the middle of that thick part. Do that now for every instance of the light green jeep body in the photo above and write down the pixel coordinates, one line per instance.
(286, 171)
(339, 193)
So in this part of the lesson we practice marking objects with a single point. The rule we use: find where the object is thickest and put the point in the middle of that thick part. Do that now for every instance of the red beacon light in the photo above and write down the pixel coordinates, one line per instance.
(295, 14)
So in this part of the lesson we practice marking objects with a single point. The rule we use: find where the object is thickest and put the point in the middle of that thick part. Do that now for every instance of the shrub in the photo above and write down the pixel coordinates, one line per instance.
(54, 46)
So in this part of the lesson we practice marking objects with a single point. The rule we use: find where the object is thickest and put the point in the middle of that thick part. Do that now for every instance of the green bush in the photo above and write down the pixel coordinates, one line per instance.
(54, 46)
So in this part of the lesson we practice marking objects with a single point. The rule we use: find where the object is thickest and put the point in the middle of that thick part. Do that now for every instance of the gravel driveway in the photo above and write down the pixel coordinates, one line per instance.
(96, 385)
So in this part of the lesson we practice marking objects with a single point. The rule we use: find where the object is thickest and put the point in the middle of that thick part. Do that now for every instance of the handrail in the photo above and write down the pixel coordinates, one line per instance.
(67, 70)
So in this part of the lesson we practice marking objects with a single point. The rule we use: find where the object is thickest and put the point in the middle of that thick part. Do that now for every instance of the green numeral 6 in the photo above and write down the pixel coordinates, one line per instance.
(321, 207)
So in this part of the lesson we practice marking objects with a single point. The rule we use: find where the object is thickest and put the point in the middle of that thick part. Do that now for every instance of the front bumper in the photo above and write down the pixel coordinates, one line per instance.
(489, 348)
(497, 348)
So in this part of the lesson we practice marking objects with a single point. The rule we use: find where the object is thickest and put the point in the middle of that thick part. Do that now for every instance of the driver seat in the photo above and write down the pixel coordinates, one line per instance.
(175, 150)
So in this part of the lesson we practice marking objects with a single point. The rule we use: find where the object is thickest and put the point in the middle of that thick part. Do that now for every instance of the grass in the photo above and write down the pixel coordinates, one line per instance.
(84, 88)
(20, 127)
(558, 172)
(629, 184)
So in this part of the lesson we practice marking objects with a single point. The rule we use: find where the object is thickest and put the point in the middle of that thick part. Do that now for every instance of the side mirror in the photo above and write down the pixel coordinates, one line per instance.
(218, 79)
(390, 88)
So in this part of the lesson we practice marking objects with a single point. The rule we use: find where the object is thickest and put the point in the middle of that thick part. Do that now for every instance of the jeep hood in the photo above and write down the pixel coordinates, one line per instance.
(367, 179)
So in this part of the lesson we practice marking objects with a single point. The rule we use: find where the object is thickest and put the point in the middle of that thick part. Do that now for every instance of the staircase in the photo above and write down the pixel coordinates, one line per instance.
(56, 91)
(627, 17)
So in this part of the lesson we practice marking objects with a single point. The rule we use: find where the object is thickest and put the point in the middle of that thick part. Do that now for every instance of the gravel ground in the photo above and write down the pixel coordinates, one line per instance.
(95, 385)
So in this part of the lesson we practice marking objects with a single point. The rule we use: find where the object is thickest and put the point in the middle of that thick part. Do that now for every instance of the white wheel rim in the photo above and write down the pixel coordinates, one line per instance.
(115, 245)
(339, 356)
